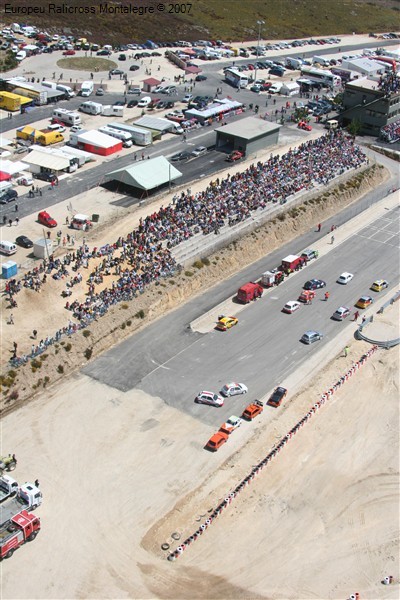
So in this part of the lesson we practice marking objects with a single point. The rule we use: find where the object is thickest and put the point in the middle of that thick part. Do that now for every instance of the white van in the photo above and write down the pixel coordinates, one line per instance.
(56, 127)
(68, 91)
(275, 88)
(49, 84)
(81, 222)
(7, 248)
(87, 88)
(20, 55)
(145, 101)
(324, 62)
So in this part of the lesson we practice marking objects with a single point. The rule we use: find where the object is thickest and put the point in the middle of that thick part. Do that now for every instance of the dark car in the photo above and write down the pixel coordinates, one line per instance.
(116, 72)
(132, 103)
(45, 176)
(119, 103)
(181, 156)
(156, 54)
(277, 396)
(276, 71)
(122, 57)
(161, 104)
(200, 78)
(24, 241)
(170, 104)
(103, 53)
(8, 196)
(314, 284)
(134, 68)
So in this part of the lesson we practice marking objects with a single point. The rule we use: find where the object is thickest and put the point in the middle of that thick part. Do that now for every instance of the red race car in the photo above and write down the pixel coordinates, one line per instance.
(305, 126)
(234, 156)
(69, 52)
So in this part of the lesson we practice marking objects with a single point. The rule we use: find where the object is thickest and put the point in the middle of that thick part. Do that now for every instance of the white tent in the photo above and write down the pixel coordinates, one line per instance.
(9, 167)
(145, 175)
(290, 88)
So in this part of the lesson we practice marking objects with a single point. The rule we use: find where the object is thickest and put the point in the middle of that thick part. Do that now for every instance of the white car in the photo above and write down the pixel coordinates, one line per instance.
(209, 398)
(187, 98)
(291, 307)
(341, 313)
(199, 151)
(233, 389)
(145, 101)
(231, 424)
(76, 128)
(345, 278)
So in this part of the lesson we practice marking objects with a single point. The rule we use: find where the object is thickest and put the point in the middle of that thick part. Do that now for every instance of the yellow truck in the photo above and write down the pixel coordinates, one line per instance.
(45, 137)
(11, 102)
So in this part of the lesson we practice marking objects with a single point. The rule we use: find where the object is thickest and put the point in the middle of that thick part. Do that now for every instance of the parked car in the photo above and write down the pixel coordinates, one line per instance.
(233, 389)
(99, 92)
(69, 52)
(200, 78)
(341, 313)
(199, 151)
(311, 336)
(103, 53)
(44, 176)
(181, 156)
(122, 57)
(209, 398)
(24, 241)
(234, 156)
(45, 219)
(116, 72)
(277, 396)
(132, 103)
(216, 441)
(8, 196)
(187, 98)
(304, 125)
(134, 68)
(344, 278)
(145, 101)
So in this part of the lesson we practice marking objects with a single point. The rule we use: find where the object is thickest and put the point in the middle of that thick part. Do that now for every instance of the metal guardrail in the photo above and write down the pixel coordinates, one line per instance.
(386, 343)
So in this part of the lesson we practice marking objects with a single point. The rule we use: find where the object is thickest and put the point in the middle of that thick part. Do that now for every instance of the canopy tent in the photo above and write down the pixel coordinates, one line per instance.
(47, 161)
(4, 176)
(10, 168)
(141, 177)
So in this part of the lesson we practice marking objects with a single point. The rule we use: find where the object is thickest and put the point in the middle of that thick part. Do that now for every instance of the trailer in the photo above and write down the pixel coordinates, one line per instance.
(139, 135)
(8, 487)
(28, 497)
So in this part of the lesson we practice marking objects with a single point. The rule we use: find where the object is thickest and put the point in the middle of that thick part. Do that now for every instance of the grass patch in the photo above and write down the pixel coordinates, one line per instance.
(189, 273)
(86, 63)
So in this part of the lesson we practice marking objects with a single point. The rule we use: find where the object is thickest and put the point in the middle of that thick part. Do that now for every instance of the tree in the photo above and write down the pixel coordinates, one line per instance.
(355, 127)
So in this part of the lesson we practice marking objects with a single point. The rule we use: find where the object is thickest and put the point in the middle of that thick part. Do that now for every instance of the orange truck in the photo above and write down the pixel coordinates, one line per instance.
(253, 410)
(307, 296)
(250, 291)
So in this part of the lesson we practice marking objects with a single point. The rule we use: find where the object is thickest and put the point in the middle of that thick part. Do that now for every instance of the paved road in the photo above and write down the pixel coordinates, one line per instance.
(169, 360)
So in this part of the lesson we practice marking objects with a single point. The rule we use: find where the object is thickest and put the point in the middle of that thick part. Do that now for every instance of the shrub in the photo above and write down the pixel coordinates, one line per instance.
(189, 273)
(171, 281)
(46, 380)
(124, 306)
(12, 374)
(86, 333)
(34, 369)
(36, 363)
(129, 323)
(14, 395)
(281, 217)
(88, 353)
(140, 314)
(198, 264)
(67, 347)
(123, 325)
(206, 261)
(60, 369)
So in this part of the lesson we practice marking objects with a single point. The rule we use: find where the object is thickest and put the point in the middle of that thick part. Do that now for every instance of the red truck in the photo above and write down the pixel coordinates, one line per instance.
(22, 528)
(249, 291)
(293, 263)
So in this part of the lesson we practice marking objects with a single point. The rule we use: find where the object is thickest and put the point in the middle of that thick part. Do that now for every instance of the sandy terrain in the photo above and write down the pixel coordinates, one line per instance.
(109, 505)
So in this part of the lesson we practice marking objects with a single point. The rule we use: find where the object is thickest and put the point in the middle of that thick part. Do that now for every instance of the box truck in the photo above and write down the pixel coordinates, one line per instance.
(87, 88)
(139, 135)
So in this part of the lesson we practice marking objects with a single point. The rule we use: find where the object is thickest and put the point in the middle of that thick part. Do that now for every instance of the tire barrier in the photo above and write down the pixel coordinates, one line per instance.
(264, 462)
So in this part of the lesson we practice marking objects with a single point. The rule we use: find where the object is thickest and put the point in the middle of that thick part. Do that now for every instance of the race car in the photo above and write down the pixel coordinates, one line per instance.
(209, 398)
(364, 302)
(234, 156)
(233, 389)
(307, 296)
(305, 126)
(314, 284)
(225, 323)
(231, 424)
(379, 285)
(277, 396)
(291, 306)
(341, 313)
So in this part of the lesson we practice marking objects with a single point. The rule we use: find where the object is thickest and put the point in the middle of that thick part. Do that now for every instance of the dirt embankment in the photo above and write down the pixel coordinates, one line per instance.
(19, 385)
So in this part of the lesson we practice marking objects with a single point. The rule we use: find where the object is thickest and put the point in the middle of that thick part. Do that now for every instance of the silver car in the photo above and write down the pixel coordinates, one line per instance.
(311, 336)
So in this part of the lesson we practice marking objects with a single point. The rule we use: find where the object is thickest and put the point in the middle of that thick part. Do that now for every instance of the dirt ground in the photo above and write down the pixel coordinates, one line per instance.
(321, 521)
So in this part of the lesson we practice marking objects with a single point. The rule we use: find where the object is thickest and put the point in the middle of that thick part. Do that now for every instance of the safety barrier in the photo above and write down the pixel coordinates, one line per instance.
(272, 454)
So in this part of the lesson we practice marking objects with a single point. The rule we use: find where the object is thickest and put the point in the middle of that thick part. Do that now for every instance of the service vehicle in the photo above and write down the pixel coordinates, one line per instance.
(344, 278)
(292, 263)
(231, 424)
(45, 219)
(249, 291)
(87, 88)
(379, 285)
(209, 398)
(7, 248)
(291, 307)
(216, 441)
(271, 278)
(253, 410)
(364, 302)
(225, 323)
(8, 463)
(233, 389)
(8, 487)
(341, 313)
(309, 254)
(314, 284)
(307, 296)
(23, 527)
(28, 497)
(81, 222)
(311, 336)
(234, 156)
(277, 396)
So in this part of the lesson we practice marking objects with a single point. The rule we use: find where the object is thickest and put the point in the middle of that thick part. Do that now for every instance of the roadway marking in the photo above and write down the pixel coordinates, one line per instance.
(162, 365)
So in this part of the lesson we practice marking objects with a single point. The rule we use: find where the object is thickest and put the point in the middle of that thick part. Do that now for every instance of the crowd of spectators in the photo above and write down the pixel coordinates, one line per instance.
(144, 255)
(391, 133)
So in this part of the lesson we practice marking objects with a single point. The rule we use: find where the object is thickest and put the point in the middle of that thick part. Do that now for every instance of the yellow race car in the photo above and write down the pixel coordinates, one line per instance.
(379, 285)
(225, 323)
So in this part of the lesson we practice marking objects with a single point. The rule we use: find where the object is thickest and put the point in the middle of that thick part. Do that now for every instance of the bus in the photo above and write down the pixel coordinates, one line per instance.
(325, 77)
(236, 78)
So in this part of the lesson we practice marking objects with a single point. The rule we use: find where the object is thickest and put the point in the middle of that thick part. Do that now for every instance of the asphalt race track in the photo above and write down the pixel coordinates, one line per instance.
(170, 361)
